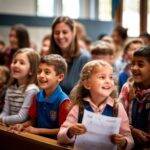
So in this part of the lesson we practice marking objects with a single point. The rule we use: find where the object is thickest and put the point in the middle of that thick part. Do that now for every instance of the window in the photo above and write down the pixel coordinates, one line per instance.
(45, 7)
(148, 17)
(105, 9)
(131, 17)
(70, 8)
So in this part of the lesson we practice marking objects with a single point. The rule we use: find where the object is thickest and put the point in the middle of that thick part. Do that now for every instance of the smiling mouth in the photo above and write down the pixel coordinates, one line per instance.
(106, 88)
(42, 81)
(136, 74)
(16, 72)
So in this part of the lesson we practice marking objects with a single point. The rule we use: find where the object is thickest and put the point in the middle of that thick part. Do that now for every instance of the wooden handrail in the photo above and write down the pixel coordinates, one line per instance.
(27, 141)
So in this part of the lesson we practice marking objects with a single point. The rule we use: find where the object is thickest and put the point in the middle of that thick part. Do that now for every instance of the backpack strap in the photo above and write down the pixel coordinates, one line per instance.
(80, 115)
(81, 110)
(115, 107)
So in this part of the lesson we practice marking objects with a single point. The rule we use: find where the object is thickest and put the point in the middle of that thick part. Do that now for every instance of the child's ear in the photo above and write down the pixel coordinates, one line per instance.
(86, 84)
(61, 77)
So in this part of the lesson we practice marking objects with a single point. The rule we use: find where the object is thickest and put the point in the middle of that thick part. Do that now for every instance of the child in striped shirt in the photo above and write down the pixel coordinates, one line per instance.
(22, 87)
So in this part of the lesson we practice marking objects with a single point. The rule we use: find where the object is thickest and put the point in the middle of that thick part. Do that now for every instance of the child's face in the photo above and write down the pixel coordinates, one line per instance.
(101, 82)
(47, 78)
(63, 36)
(20, 68)
(140, 68)
(116, 37)
(45, 47)
(132, 48)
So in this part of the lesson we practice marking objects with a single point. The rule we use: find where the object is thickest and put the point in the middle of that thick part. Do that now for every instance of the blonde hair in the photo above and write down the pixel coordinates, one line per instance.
(79, 91)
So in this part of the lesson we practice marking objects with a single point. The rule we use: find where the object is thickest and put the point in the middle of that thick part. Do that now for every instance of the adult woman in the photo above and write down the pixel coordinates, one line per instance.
(64, 42)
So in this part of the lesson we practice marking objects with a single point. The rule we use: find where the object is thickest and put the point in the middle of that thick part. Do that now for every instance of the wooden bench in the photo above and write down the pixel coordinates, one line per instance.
(26, 141)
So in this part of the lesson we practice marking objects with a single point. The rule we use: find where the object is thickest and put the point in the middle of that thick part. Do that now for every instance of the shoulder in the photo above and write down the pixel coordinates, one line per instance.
(125, 87)
(128, 86)
(32, 87)
(85, 54)
(63, 96)
(74, 109)
(11, 89)
(39, 95)
(66, 104)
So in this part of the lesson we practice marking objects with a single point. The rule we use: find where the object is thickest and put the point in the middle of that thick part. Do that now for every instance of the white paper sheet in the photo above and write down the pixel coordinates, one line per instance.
(99, 128)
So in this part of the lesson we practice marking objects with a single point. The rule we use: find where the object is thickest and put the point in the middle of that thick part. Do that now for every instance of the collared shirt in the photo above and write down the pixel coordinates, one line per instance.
(100, 108)
(137, 105)
(50, 111)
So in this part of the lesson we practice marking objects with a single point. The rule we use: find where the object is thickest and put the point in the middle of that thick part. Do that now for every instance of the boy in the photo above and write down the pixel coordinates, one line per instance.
(51, 105)
(135, 96)
(103, 51)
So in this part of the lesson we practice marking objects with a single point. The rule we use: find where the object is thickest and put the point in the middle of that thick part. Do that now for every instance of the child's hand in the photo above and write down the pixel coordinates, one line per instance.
(119, 139)
(31, 129)
(76, 129)
(140, 135)
(16, 127)
(148, 136)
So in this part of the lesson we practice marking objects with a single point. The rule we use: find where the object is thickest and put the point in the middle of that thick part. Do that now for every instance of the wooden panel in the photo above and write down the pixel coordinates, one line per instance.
(26, 141)
(143, 16)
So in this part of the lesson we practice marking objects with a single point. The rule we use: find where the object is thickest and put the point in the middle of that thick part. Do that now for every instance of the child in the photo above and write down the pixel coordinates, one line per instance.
(135, 96)
(103, 51)
(4, 77)
(51, 104)
(129, 49)
(93, 93)
(45, 45)
(21, 88)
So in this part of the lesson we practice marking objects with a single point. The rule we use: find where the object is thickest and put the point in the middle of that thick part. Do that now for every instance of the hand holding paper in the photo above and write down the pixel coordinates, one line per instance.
(99, 129)
(76, 129)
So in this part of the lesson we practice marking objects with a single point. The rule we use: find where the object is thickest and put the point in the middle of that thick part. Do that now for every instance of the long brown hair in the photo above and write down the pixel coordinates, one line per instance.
(22, 35)
(34, 60)
(73, 50)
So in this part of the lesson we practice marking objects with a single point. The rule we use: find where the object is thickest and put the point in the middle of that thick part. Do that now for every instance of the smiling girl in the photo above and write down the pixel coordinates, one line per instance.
(93, 94)
(22, 86)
